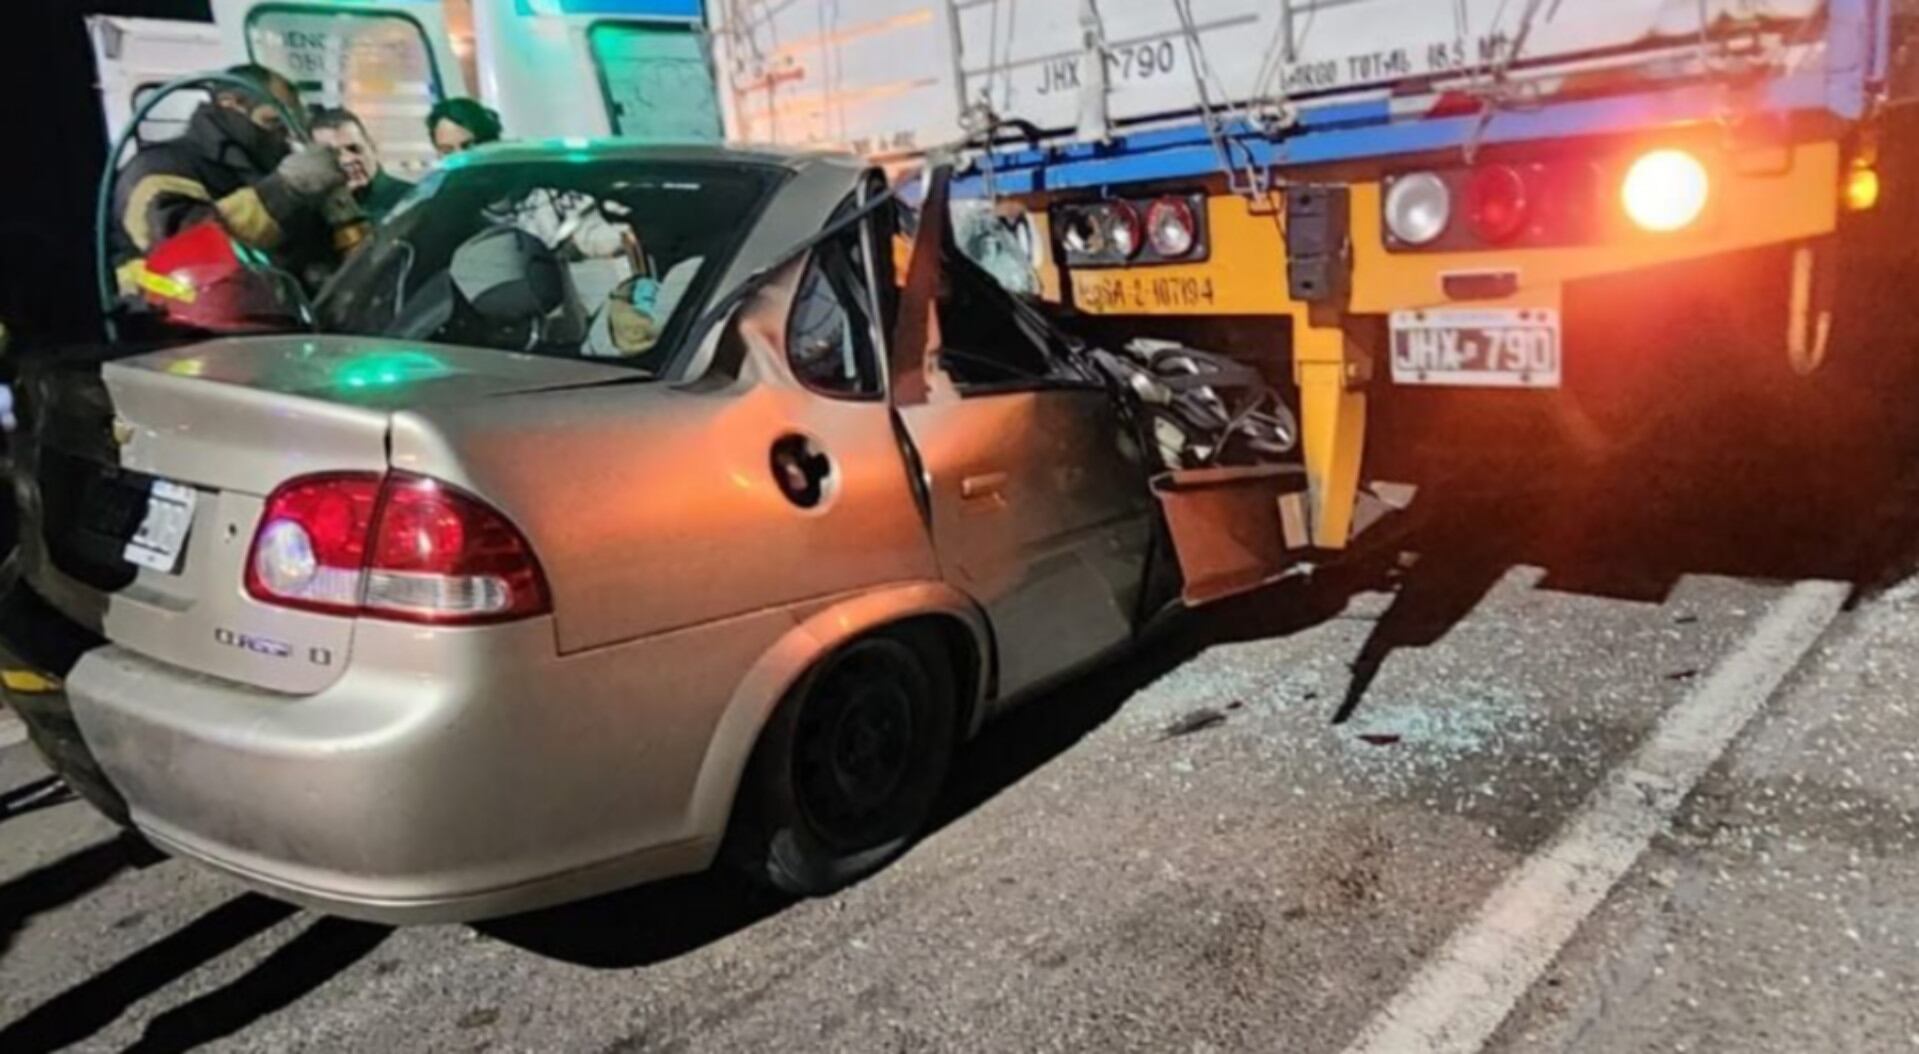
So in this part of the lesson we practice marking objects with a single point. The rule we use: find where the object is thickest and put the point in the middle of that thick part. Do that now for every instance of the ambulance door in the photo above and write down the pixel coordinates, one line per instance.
(388, 61)
(585, 68)
(135, 56)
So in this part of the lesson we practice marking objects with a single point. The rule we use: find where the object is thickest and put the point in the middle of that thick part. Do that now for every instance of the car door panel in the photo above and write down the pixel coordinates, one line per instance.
(1036, 493)
(1040, 513)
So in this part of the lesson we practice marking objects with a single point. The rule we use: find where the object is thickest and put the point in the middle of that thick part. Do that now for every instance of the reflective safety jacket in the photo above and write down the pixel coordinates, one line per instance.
(221, 168)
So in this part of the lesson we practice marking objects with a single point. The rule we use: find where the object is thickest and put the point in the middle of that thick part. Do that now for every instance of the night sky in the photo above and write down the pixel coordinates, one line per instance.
(55, 144)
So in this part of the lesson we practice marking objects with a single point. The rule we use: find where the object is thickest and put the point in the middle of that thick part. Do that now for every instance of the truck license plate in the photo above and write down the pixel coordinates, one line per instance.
(163, 532)
(1477, 348)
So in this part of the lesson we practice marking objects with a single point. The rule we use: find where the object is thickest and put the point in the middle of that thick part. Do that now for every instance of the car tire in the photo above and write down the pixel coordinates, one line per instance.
(846, 774)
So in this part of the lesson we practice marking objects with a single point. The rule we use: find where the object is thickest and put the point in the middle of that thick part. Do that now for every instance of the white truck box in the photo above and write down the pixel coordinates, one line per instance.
(896, 76)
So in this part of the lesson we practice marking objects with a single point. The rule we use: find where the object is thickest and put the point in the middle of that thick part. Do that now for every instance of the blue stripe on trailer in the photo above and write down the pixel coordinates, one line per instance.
(1371, 111)
(1190, 154)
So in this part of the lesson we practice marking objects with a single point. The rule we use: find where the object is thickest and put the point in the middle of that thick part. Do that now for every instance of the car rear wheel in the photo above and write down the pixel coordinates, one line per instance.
(846, 773)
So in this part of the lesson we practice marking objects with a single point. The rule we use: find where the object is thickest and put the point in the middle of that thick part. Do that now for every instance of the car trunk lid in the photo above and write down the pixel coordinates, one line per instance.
(202, 435)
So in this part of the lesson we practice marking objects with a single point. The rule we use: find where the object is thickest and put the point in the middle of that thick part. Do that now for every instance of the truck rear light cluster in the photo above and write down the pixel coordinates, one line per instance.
(397, 547)
(1539, 204)
(1168, 229)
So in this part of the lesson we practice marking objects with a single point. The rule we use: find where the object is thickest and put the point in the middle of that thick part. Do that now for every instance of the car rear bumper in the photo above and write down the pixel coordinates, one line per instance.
(447, 775)
(428, 907)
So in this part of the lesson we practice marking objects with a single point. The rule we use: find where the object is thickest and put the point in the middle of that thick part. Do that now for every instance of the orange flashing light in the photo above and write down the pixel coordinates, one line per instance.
(1862, 188)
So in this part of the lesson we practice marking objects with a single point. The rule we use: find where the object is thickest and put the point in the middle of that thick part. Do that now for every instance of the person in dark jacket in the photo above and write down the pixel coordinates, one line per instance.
(375, 190)
(234, 164)
(459, 125)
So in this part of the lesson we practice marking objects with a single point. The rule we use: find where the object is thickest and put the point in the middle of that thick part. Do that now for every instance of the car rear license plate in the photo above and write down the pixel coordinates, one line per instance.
(1477, 348)
(163, 532)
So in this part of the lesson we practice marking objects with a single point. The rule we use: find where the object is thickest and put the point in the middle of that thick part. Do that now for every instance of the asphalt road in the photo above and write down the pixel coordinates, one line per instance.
(1618, 757)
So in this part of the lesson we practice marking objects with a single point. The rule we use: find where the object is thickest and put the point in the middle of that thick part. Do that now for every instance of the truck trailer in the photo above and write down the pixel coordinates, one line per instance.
(1524, 207)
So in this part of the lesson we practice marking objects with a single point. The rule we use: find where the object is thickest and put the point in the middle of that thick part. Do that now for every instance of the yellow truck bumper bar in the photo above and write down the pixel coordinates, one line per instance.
(1775, 195)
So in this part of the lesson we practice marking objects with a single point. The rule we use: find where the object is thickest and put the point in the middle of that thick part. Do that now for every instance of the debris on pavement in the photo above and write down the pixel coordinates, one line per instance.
(1195, 721)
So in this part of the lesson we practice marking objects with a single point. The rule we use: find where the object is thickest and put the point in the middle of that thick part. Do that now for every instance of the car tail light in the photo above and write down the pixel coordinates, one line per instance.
(1171, 228)
(440, 555)
(1497, 204)
(1666, 190)
(310, 550)
(1419, 208)
(400, 547)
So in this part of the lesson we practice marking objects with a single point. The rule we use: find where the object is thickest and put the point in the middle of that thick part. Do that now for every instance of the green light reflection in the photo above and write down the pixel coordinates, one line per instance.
(388, 370)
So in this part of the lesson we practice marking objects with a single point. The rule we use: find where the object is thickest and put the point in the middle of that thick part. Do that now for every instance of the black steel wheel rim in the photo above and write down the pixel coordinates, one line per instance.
(858, 736)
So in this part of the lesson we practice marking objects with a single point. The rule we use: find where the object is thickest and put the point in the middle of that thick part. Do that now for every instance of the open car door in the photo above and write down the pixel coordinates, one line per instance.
(1042, 492)
(1036, 491)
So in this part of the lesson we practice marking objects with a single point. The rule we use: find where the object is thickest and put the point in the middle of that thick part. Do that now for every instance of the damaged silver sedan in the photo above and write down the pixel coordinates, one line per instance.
(622, 512)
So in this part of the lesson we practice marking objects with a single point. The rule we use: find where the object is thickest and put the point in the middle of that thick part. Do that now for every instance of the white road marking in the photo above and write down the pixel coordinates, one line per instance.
(1461, 995)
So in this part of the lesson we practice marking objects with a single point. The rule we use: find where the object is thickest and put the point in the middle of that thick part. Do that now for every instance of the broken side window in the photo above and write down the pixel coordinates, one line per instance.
(987, 340)
(829, 339)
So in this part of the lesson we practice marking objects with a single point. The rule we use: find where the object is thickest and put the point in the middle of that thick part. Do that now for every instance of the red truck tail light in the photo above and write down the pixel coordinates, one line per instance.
(396, 547)
(1498, 204)
(1171, 229)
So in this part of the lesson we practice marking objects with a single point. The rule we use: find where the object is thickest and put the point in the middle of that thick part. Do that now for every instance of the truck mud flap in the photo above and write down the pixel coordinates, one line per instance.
(1229, 527)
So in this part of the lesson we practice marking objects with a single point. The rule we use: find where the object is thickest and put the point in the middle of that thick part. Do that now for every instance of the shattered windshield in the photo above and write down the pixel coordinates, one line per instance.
(604, 260)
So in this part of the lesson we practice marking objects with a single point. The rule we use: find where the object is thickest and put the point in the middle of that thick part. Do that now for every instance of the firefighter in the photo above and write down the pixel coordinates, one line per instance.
(235, 164)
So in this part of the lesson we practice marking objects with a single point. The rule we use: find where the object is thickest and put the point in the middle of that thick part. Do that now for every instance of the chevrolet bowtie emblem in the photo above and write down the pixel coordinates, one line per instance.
(122, 431)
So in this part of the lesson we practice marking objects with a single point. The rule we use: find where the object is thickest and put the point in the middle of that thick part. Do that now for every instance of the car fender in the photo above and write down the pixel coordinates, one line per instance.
(820, 628)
